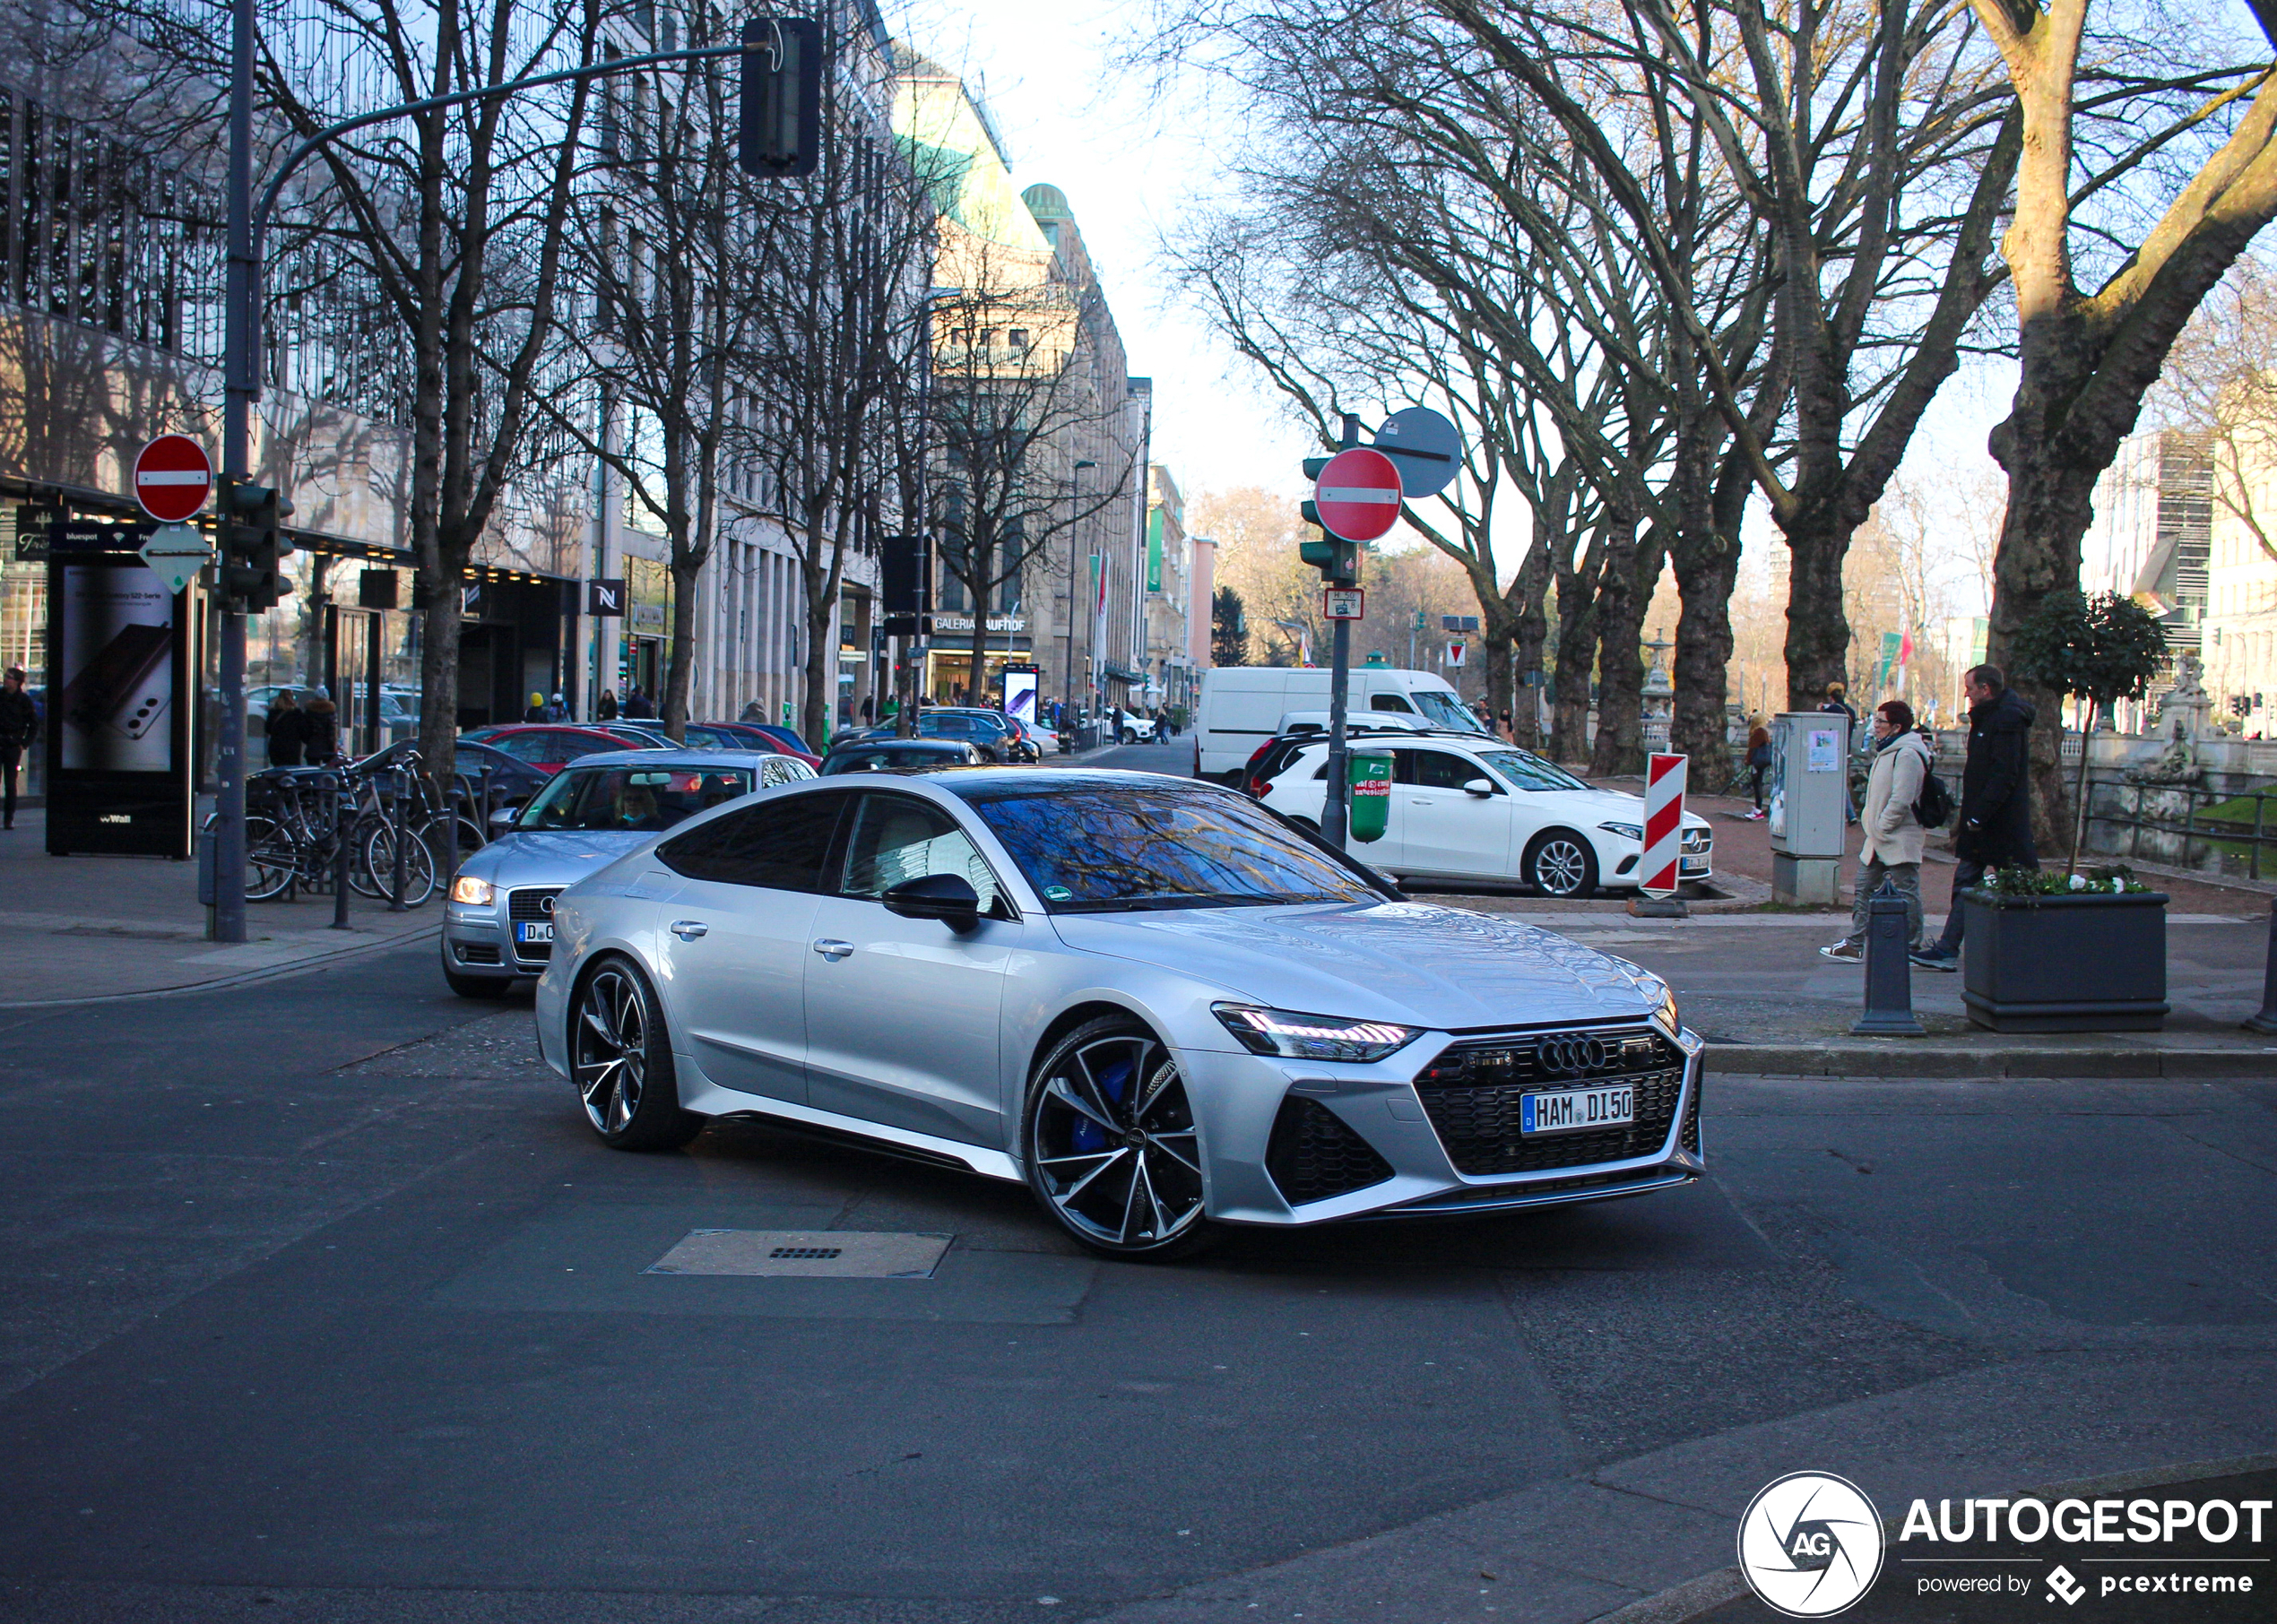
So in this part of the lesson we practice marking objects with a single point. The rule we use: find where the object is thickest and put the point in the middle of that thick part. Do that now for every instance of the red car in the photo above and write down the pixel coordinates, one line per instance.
(549, 745)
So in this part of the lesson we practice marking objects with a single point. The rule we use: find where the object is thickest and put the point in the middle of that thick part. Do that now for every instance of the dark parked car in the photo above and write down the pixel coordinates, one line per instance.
(752, 736)
(511, 779)
(899, 756)
(549, 747)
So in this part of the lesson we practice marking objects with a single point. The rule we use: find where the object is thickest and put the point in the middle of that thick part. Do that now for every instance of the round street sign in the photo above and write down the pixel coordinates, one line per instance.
(172, 476)
(1358, 494)
(1425, 448)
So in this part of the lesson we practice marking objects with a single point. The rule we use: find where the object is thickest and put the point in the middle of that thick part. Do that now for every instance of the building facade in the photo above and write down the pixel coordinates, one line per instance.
(2151, 538)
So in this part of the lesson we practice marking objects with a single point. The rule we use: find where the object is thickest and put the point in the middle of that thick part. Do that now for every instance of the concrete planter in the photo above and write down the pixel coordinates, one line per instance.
(2079, 962)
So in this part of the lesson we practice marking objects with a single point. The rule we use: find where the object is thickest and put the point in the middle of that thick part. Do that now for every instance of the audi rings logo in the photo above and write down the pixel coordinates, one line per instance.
(1571, 1054)
(1810, 1544)
(545, 906)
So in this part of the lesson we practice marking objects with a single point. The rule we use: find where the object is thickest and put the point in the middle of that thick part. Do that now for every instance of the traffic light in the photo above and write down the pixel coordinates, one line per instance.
(1336, 559)
(252, 546)
(782, 97)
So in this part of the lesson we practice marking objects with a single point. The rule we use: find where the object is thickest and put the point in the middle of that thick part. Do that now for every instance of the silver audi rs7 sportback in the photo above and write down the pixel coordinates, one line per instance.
(1155, 1001)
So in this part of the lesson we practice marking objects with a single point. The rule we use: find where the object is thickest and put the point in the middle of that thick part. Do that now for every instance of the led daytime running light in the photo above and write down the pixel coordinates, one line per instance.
(1298, 1027)
(1310, 1037)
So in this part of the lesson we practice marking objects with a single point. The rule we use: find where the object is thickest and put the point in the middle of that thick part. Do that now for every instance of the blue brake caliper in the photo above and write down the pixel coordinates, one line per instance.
(1114, 1082)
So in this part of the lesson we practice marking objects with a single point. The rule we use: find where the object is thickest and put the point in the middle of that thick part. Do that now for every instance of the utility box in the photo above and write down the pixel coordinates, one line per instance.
(1809, 820)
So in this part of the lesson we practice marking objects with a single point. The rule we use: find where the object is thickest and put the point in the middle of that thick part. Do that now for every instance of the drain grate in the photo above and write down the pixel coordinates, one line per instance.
(810, 1254)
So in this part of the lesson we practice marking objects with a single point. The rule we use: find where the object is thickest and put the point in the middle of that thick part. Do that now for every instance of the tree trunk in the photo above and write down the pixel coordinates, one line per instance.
(1577, 641)
(1622, 598)
(1818, 632)
(1707, 568)
(1533, 627)
(438, 595)
(2050, 503)
(680, 667)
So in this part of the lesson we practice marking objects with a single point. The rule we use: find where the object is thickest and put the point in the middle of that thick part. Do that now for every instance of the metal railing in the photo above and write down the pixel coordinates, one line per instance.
(2205, 835)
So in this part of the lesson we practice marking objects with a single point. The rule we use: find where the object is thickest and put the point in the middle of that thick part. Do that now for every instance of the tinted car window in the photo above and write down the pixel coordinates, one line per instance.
(522, 747)
(632, 799)
(1444, 770)
(781, 844)
(1390, 702)
(1527, 771)
(1101, 847)
(897, 838)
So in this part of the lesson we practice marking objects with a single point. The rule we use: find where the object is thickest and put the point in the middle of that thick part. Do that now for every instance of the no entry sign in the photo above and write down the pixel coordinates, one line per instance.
(172, 476)
(1358, 494)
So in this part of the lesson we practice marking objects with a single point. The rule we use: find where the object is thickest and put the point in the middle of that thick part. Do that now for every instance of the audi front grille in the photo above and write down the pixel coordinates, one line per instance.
(1471, 1093)
(534, 903)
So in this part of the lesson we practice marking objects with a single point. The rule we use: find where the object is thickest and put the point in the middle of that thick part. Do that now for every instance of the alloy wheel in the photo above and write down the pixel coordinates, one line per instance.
(1114, 1147)
(1561, 868)
(610, 1065)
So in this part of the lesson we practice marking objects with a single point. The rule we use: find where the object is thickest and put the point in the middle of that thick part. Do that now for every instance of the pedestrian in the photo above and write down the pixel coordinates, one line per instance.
(869, 709)
(556, 709)
(1836, 703)
(752, 712)
(1893, 835)
(19, 726)
(638, 706)
(287, 731)
(606, 710)
(320, 721)
(1759, 763)
(1993, 827)
(535, 710)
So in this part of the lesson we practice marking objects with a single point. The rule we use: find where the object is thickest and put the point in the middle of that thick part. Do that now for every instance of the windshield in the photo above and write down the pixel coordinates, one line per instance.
(1448, 711)
(1524, 772)
(1112, 848)
(630, 800)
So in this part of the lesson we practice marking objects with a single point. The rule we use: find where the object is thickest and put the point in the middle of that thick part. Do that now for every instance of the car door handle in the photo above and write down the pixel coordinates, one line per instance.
(1421, 801)
(833, 951)
(688, 930)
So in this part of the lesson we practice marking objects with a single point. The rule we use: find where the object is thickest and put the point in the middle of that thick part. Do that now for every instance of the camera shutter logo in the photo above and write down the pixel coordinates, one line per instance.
(1810, 1544)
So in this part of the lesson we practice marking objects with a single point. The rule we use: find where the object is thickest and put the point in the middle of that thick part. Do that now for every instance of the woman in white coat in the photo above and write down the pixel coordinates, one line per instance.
(1893, 836)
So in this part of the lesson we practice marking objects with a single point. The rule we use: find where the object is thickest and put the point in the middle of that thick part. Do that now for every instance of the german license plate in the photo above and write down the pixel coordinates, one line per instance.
(541, 930)
(1576, 1107)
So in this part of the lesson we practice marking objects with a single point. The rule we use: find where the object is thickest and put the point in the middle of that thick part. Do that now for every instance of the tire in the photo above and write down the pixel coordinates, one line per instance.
(1561, 863)
(620, 1058)
(378, 859)
(1111, 1147)
(272, 861)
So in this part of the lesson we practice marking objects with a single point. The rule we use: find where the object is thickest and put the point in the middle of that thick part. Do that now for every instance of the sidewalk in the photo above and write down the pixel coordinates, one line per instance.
(84, 929)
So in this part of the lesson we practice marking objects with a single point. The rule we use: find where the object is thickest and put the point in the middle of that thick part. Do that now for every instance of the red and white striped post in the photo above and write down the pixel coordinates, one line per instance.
(1664, 817)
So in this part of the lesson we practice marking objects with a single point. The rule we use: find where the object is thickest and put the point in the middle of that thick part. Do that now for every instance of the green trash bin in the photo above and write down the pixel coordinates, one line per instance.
(1368, 800)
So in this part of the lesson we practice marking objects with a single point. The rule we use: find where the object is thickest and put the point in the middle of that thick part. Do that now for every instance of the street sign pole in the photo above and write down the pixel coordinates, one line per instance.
(226, 920)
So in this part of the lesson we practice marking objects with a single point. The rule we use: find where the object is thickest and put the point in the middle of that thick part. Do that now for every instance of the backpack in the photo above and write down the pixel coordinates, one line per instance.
(1933, 808)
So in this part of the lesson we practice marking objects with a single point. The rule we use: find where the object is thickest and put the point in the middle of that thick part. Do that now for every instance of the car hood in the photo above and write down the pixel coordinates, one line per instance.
(1413, 962)
(549, 857)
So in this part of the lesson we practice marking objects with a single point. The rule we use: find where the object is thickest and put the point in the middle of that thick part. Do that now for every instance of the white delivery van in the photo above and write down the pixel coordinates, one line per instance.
(1243, 705)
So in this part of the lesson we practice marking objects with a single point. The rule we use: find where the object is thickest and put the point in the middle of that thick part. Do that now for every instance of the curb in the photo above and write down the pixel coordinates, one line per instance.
(268, 973)
(1835, 1059)
(1693, 1597)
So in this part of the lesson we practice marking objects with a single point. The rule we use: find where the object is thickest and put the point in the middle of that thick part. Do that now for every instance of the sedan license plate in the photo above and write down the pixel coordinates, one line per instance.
(541, 930)
(1576, 1107)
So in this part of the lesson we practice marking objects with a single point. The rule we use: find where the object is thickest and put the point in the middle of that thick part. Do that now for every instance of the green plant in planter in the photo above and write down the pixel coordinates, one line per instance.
(2117, 880)
(2102, 649)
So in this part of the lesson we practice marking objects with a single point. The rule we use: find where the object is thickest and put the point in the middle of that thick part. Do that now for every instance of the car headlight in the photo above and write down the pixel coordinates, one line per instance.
(474, 893)
(1312, 1037)
(1634, 832)
(1659, 994)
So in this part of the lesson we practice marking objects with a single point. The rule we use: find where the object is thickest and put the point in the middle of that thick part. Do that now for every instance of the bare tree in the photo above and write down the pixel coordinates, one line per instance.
(2200, 181)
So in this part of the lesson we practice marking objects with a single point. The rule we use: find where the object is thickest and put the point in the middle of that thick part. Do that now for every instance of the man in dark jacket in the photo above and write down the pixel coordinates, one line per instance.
(1993, 828)
(19, 725)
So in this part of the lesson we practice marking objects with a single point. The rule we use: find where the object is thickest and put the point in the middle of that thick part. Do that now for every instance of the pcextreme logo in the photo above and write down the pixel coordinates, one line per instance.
(1810, 1544)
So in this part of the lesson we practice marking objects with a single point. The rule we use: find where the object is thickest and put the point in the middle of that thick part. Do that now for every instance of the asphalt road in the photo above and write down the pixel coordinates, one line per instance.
(322, 1304)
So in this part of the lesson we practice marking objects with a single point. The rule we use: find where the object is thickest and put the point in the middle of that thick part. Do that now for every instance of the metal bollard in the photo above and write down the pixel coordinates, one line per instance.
(2266, 1021)
(1889, 973)
(395, 843)
(343, 822)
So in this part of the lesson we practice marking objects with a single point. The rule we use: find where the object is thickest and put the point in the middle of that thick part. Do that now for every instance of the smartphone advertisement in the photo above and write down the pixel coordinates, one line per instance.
(118, 719)
(1019, 693)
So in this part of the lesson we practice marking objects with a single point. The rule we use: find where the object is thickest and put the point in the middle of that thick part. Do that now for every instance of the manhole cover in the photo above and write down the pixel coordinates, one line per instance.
(808, 1253)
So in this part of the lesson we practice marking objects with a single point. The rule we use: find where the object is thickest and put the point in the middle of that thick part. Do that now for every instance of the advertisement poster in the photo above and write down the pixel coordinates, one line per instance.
(1019, 693)
(113, 709)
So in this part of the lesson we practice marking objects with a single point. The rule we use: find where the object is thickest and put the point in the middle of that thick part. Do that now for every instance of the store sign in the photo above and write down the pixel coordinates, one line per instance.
(945, 624)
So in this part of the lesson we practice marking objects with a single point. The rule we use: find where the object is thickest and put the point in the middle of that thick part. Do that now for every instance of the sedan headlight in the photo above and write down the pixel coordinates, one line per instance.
(1311, 1037)
(1634, 832)
(1659, 993)
(474, 893)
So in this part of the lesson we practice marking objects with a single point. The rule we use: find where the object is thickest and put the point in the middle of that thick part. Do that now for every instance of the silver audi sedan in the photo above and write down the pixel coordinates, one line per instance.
(1158, 1004)
(497, 923)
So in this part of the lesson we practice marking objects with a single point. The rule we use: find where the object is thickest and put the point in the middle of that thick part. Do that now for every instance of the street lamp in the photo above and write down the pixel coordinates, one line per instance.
(1075, 501)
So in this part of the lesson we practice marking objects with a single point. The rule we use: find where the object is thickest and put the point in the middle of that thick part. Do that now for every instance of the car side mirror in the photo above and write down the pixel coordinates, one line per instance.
(947, 897)
(1480, 787)
(503, 818)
